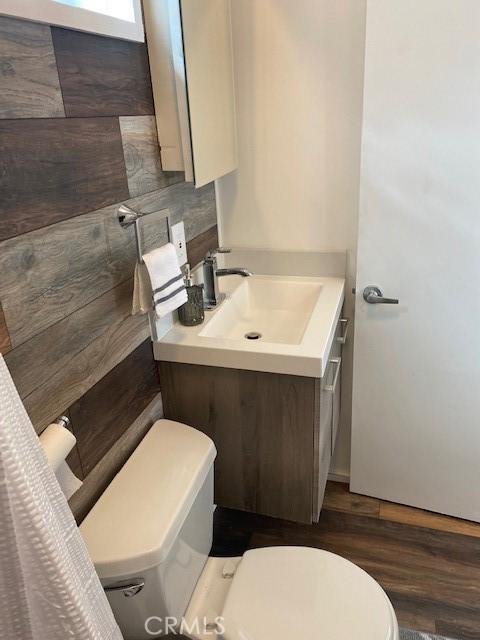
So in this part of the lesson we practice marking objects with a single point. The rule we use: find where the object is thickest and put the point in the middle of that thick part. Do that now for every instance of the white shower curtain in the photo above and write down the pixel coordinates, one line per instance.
(48, 586)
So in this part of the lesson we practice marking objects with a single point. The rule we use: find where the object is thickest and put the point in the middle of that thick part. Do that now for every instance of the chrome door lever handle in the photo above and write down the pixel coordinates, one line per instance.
(373, 295)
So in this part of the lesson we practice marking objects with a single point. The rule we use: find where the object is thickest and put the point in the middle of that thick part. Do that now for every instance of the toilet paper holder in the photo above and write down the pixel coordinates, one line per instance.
(57, 441)
(63, 421)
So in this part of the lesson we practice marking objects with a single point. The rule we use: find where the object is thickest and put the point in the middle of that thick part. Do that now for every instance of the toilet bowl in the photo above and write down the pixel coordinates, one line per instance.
(149, 536)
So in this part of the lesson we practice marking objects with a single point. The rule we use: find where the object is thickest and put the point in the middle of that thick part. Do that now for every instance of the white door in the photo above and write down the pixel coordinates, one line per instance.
(416, 408)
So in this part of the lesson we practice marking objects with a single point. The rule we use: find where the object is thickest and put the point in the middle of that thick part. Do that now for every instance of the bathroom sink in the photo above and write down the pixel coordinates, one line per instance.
(264, 309)
(277, 324)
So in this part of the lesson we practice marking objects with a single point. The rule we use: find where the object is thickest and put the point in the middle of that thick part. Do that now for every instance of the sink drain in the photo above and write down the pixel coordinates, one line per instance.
(253, 335)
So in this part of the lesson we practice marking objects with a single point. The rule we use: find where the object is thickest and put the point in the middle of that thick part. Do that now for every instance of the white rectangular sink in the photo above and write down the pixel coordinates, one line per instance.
(278, 324)
(264, 309)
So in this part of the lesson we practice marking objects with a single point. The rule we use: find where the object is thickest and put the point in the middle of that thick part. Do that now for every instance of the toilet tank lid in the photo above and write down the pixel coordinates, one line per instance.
(135, 522)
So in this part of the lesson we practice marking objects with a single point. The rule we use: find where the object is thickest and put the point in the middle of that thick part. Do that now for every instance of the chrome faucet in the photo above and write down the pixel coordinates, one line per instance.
(211, 273)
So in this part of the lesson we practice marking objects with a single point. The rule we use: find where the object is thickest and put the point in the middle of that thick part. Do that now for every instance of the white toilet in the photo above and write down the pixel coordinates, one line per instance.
(150, 534)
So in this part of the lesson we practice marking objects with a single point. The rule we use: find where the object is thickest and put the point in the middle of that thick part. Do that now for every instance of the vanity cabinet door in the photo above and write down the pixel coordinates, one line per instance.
(263, 427)
(327, 418)
(322, 440)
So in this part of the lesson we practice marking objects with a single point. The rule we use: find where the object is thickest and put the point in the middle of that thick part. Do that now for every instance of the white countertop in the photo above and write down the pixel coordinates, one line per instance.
(308, 357)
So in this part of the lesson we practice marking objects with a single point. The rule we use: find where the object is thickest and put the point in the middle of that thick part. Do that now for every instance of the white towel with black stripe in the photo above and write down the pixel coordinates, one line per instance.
(142, 291)
(166, 279)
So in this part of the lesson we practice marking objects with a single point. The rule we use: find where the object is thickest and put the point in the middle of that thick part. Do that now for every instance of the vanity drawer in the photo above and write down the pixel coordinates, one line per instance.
(341, 336)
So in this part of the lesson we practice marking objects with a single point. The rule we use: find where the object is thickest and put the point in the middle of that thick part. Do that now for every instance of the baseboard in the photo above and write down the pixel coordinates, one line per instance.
(339, 477)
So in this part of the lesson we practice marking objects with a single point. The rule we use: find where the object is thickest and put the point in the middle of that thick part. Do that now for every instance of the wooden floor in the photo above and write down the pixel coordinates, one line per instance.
(428, 564)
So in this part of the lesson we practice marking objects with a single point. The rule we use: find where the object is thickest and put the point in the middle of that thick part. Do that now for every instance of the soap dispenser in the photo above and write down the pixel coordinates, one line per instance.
(192, 312)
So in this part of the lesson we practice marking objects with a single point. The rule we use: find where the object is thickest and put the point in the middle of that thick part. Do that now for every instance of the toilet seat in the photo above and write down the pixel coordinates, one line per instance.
(279, 593)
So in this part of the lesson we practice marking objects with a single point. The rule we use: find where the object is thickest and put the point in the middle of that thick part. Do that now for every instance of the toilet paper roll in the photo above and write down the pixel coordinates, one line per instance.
(57, 442)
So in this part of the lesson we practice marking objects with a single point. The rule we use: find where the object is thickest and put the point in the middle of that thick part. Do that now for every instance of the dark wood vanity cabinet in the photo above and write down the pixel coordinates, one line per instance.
(274, 433)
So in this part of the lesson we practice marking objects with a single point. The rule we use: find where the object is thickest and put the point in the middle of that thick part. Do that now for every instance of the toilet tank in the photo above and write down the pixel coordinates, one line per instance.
(150, 533)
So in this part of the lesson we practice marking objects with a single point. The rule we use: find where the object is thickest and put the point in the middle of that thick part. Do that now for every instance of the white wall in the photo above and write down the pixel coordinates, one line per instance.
(299, 85)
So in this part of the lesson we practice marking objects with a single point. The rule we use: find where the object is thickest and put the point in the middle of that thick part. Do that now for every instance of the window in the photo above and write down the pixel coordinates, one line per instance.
(115, 18)
(121, 9)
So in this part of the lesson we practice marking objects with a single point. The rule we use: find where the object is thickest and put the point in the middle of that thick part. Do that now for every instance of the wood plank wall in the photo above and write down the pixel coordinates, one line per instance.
(77, 138)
